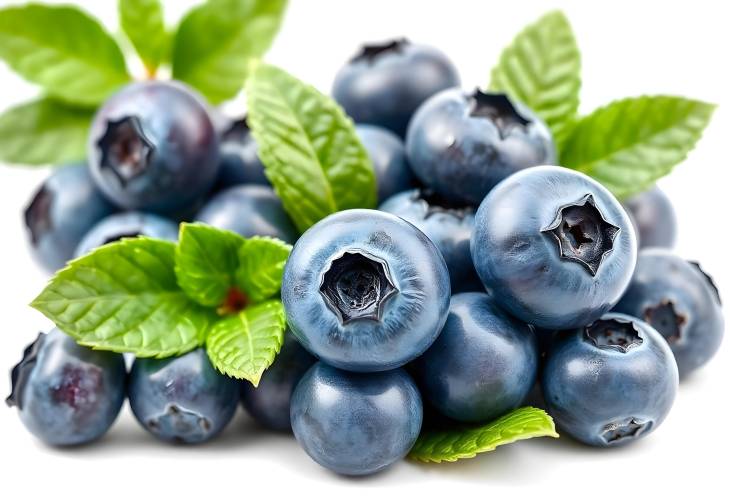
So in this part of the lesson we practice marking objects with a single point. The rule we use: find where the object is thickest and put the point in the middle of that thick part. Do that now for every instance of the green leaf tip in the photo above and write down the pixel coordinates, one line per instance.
(452, 445)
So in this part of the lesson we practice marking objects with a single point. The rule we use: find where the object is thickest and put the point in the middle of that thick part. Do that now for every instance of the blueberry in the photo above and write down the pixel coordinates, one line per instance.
(654, 219)
(182, 399)
(66, 206)
(482, 365)
(610, 383)
(356, 424)
(365, 291)
(130, 224)
(448, 225)
(153, 147)
(681, 302)
(461, 145)
(269, 402)
(67, 394)
(249, 210)
(384, 84)
(554, 246)
(240, 163)
(388, 155)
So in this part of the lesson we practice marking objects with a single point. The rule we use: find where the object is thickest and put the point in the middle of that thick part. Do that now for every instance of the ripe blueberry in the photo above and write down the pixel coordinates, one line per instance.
(388, 155)
(654, 219)
(385, 83)
(461, 145)
(365, 291)
(240, 163)
(554, 246)
(356, 424)
(129, 224)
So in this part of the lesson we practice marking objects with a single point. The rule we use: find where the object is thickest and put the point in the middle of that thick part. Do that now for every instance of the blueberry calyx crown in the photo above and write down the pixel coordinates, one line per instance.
(38, 214)
(497, 108)
(238, 130)
(624, 430)
(582, 233)
(435, 203)
(371, 51)
(183, 424)
(614, 334)
(356, 286)
(666, 320)
(119, 237)
(125, 149)
(709, 280)
(22, 370)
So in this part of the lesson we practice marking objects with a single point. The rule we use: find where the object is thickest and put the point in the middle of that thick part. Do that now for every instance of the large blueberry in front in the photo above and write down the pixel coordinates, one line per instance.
(182, 399)
(65, 207)
(249, 210)
(240, 163)
(611, 382)
(654, 219)
(385, 83)
(554, 247)
(126, 225)
(681, 302)
(354, 423)
(388, 155)
(365, 290)
(461, 145)
(153, 147)
(67, 394)
(448, 225)
(269, 402)
(482, 365)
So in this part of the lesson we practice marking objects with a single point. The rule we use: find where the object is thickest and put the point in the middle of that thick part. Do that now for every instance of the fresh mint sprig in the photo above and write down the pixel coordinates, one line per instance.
(144, 24)
(156, 298)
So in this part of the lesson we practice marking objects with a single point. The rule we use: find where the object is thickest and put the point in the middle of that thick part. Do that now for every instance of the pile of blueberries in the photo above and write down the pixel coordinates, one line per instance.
(484, 279)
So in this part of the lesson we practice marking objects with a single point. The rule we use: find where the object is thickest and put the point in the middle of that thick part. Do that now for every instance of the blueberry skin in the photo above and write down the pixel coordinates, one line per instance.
(65, 207)
(153, 147)
(356, 424)
(269, 402)
(384, 84)
(365, 291)
(450, 229)
(681, 302)
(240, 162)
(249, 210)
(130, 224)
(519, 260)
(388, 155)
(603, 396)
(654, 219)
(67, 394)
(461, 156)
(182, 399)
(482, 365)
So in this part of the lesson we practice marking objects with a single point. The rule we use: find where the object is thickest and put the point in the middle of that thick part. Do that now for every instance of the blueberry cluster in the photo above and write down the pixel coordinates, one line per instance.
(487, 272)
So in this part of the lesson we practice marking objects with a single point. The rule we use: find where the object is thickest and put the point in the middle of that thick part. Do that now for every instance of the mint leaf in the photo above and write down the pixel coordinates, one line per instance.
(309, 147)
(541, 68)
(42, 132)
(452, 445)
(144, 24)
(124, 297)
(261, 266)
(244, 345)
(62, 49)
(206, 260)
(629, 144)
(216, 43)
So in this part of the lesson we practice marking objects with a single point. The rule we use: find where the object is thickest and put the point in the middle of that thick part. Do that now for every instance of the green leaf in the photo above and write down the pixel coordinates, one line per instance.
(244, 345)
(42, 132)
(541, 68)
(261, 266)
(452, 445)
(124, 297)
(631, 143)
(309, 147)
(62, 49)
(217, 41)
(144, 24)
(206, 260)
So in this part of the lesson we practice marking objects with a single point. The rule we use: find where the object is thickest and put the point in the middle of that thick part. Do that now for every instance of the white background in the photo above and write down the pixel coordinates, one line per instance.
(629, 48)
